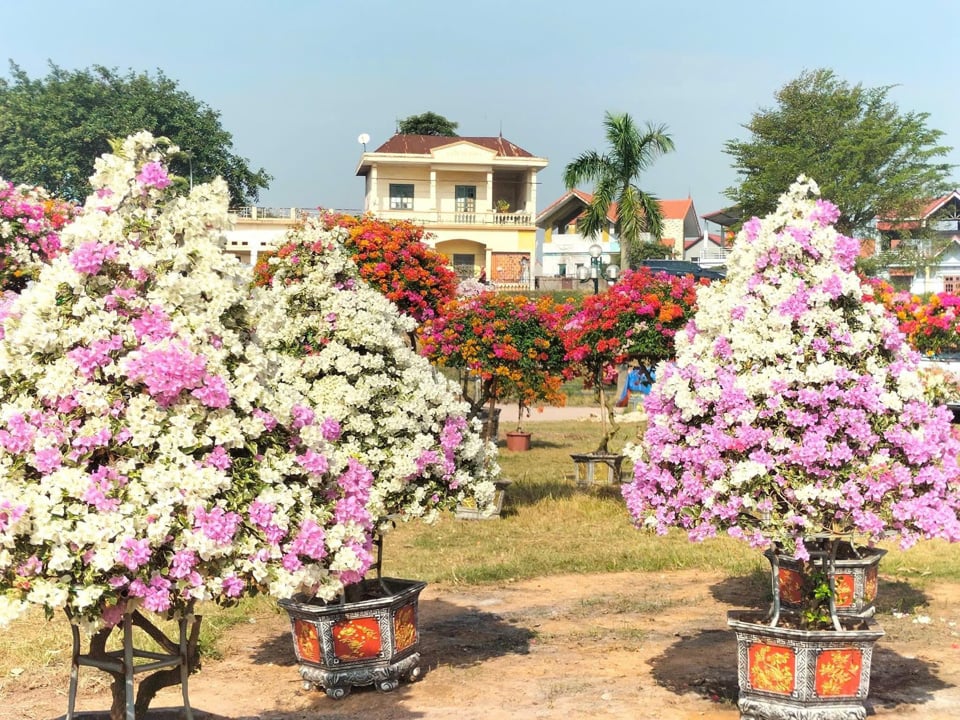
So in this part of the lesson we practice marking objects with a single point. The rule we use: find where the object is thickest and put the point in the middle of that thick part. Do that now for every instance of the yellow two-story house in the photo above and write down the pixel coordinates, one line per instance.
(476, 197)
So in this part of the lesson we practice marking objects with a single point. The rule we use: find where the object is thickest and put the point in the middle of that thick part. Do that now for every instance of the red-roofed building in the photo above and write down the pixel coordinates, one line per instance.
(934, 235)
(476, 196)
(564, 249)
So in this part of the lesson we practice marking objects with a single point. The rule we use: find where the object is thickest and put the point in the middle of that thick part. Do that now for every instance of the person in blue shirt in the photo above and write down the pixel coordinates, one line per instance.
(639, 380)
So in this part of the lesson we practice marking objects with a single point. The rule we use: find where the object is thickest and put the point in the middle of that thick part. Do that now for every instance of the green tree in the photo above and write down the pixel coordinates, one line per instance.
(867, 156)
(631, 152)
(428, 123)
(52, 129)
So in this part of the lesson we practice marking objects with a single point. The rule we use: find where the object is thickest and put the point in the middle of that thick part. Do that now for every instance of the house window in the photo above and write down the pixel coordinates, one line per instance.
(464, 265)
(951, 284)
(466, 198)
(401, 197)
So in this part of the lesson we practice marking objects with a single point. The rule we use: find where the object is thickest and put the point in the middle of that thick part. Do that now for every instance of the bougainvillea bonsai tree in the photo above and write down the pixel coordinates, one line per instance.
(30, 222)
(794, 413)
(510, 342)
(152, 454)
(635, 321)
(339, 345)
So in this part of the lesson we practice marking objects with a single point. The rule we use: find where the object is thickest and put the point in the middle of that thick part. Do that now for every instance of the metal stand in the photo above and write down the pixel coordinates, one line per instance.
(121, 663)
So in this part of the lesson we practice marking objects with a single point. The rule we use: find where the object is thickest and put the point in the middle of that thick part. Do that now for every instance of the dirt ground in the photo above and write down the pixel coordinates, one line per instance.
(630, 645)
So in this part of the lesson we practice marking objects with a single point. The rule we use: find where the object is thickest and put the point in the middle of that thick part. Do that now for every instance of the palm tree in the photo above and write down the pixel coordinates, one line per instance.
(615, 174)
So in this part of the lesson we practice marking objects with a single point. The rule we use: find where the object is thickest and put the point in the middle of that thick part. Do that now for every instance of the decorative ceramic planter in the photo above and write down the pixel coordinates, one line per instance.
(789, 674)
(855, 580)
(372, 641)
(518, 441)
(597, 468)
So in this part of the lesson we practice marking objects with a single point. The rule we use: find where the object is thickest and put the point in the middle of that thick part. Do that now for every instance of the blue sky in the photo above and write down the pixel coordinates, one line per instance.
(296, 82)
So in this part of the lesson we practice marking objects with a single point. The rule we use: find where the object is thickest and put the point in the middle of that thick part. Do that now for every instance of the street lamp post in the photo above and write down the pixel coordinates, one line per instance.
(593, 273)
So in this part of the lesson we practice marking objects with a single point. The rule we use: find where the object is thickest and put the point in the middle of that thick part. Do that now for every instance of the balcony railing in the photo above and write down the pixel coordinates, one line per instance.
(479, 217)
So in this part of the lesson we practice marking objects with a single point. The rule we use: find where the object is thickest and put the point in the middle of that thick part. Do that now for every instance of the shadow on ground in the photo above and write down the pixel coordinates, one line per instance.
(744, 591)
(900, 596)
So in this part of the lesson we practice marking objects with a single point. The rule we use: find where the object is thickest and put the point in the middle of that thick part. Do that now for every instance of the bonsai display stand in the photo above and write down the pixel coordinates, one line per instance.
(589, 468)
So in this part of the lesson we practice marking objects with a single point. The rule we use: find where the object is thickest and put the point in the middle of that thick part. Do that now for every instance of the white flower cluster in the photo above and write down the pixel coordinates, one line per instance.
(341, 346)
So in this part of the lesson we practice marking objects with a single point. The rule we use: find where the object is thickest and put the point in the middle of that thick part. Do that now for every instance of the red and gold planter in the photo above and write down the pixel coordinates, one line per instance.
(855, 581)
(802, 674)
(340, 645)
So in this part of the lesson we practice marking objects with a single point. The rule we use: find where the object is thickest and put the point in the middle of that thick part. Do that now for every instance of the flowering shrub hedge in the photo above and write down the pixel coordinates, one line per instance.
(153, 446)
(30, 221)
(393, 258)
(510, 342)
(794, 408)
(339, 345)
(931, 327)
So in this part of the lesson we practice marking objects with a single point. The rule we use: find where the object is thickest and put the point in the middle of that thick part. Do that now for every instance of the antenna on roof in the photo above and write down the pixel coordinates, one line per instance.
(363, 140)
(501, 129)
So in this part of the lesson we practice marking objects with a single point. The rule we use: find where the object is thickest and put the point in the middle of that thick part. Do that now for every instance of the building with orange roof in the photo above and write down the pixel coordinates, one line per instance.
(564, 249)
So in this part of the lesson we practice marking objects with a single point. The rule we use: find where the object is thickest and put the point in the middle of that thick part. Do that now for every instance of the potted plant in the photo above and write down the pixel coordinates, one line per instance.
(156, 451)
(400, 418)
(503, 205)
(510, 342)
(794, 417)
(634, 321)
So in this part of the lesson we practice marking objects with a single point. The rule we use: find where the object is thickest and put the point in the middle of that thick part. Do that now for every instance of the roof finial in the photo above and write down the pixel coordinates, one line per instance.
(501, 129)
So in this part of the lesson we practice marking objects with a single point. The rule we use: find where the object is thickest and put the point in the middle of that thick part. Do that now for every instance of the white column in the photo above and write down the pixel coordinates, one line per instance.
(372, 203)
(433, 190)
(490, 190)
(532, 194)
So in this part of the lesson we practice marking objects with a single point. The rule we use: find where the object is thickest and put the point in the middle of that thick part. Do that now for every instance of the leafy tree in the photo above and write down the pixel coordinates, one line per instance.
(866, 155)
(428, 123)
(52, 129)
(650, 250)
(615, 174)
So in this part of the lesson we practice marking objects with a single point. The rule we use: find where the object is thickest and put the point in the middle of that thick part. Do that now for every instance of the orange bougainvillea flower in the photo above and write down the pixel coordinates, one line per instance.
(510, 341)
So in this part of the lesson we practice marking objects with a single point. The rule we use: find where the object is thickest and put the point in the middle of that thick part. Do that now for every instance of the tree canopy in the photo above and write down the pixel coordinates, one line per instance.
(52, 129)
(428, 123)
(631, 152)
(866, 155)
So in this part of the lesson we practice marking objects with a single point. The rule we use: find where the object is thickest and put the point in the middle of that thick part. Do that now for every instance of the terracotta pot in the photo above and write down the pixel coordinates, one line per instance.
(518, 441)
(372, 641)
(802, 674)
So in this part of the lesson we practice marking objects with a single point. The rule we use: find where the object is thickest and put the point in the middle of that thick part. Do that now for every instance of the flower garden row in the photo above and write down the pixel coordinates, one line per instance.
(174, 429)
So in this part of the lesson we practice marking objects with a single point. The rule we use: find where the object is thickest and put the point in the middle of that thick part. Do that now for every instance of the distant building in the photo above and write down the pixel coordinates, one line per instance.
(476, 195)
(565, 249)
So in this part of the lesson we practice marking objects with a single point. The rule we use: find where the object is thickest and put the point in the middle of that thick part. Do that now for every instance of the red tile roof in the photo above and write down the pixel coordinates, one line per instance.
(913, 223)
(670, 209)
(423, 144)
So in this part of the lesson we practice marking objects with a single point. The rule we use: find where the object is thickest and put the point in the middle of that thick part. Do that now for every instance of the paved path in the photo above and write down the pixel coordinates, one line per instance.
(545, 413)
